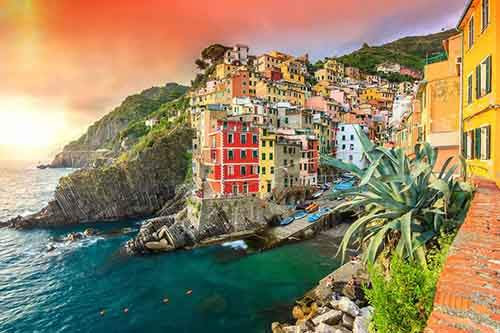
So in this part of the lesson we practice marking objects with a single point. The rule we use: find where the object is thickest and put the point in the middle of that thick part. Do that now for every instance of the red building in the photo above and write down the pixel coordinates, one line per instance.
(234, 154)
(410, 72)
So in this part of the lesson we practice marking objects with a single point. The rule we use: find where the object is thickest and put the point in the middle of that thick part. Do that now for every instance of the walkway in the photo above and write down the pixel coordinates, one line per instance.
(468, 292)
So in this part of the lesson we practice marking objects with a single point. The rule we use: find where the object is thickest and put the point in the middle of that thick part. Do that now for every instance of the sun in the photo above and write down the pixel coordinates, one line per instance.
(24, 123)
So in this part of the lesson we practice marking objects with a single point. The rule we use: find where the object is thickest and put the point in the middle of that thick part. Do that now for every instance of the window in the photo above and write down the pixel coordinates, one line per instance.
(230, 154)
(352, 136)
(243, 170)
(263, 143)
(478, 81)
(270, 143)
(263, 170)
(254, 139)
(272, 170)
(350, 157)
(268, 187)
(343, 137)
(284, 149)
(471, 32)
(263, 156)
(477, 143)
(351, 146)
(485, 14)
(230, 138)
(270, 156)
(469, 89)
(486, 78)
(485, 143)
(285, 162)
(255, 153)
(243, 153)
(230, 170)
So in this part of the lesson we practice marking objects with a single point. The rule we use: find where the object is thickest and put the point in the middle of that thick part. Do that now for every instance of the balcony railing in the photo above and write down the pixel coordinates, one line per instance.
(436, 57)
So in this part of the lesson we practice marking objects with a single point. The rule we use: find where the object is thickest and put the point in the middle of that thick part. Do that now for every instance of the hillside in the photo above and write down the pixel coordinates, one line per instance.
(124, 124)
(408, 51)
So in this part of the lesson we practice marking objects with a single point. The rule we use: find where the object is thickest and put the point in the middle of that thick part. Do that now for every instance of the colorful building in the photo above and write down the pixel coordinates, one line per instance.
(481, 100)
(293, 71)
(234, 159)
(439, 93)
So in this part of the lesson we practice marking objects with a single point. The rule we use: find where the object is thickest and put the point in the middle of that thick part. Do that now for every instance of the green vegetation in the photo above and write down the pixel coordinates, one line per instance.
(409, 51)
(404, 297)
(409, 216)
(405, 205)
(210, 57)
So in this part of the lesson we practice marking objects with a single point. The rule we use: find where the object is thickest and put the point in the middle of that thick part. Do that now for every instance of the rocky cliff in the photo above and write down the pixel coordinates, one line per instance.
(138, 184)
(106, 138)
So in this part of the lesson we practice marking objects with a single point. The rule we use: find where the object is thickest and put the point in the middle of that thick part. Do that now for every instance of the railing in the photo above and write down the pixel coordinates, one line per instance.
(437, 57)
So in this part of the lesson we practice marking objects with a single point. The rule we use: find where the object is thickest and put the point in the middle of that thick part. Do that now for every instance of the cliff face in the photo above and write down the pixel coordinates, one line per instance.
(136, 185)
(103, 140)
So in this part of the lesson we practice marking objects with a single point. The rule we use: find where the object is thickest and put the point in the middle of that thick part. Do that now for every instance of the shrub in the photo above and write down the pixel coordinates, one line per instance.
(402, 300)
(404, 297)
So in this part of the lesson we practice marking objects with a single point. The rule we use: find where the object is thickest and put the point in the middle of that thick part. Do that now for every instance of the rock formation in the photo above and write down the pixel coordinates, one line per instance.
(137, 185)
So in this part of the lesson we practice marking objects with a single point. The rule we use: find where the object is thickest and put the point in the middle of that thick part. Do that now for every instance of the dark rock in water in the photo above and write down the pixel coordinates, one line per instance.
(131, 188)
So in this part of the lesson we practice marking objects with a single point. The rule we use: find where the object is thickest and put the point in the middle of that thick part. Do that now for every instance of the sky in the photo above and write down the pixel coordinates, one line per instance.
(66, 63)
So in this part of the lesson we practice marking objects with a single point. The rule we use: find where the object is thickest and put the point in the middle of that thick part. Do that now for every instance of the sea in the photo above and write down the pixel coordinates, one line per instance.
(91, 286)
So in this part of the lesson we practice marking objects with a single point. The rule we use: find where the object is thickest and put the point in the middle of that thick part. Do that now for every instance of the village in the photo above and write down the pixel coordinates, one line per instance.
(263, 122)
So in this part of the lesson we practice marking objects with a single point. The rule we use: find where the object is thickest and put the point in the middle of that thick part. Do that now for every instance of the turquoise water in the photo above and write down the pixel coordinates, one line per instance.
(64, 290)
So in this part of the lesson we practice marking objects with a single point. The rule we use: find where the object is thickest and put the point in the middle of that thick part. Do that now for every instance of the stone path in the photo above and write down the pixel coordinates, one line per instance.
(468, 292)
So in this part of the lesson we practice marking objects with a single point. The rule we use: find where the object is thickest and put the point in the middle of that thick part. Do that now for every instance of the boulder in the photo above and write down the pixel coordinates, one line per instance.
(361, 323)
(331, 317)
(345, 305)
(325, 328)
(347, 321)
(158, 246)
(297, 312)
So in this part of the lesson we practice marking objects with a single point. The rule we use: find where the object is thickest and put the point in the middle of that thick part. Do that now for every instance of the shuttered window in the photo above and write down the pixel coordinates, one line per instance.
(488, 75)
(486, 142)
(469, 89)
(471, 32)
(478, 81)
(485, 14)
(477, 143)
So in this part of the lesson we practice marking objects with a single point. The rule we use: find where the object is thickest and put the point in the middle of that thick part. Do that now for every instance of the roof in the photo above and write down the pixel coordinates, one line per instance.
(467, 7)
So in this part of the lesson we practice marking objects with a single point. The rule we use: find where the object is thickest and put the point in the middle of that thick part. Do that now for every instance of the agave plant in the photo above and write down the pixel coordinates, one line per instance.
(404, 204)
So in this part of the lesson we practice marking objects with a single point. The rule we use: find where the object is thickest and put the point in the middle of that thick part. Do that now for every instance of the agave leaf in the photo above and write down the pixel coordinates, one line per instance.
(369, 172)
(406, 231)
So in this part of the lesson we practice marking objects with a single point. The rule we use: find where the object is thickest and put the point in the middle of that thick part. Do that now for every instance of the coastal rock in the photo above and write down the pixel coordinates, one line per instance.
(345, 305)
(134, 187)
(297, 312)
(362, 322)
(325, 328)
(158, 246)
(347, 321)
(331, 317)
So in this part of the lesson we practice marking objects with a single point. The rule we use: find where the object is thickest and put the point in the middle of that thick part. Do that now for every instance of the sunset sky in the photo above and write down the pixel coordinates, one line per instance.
(65, 63)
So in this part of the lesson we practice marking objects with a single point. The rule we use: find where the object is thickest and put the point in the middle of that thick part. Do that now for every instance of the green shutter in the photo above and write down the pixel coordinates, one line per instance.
(464, 144)
(478, 81)
(488, 75)
(488, 142)
(469, 90)
(477, 142)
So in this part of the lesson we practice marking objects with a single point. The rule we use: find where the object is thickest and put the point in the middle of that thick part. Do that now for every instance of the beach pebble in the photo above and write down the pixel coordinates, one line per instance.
(189, 292)
(345, 305)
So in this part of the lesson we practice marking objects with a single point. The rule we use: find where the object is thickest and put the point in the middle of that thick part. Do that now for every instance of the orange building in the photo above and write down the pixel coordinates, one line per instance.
(439, 96)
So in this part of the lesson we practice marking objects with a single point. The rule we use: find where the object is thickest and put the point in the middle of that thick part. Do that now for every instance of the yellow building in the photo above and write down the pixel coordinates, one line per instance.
(267, 154)
(274, 92)
(439, 94)
(321, 89)
(331, 72)
(223, 70)
(481, 100)
(293, 71)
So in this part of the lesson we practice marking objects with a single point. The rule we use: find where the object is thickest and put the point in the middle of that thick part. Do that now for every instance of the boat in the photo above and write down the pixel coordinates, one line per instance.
(312, 208)
(299, 214)
(346, 185)
(316, 195)
(313, 217)
(287, 221)
(324, 210)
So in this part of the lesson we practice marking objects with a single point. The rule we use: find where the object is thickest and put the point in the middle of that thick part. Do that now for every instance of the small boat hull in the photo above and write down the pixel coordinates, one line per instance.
(287, 221)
